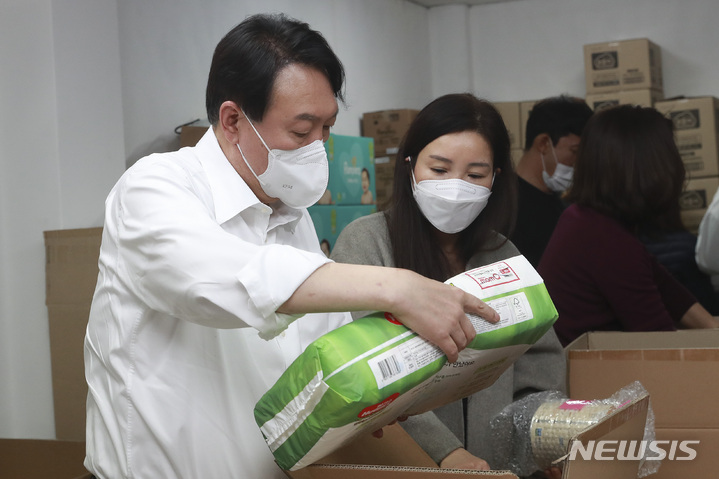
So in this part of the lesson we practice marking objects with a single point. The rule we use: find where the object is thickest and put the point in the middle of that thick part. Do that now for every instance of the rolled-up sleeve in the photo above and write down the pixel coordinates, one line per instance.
(178, 260)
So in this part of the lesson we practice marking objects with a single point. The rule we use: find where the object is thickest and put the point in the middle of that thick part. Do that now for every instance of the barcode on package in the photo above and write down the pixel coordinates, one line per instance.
(401, 360)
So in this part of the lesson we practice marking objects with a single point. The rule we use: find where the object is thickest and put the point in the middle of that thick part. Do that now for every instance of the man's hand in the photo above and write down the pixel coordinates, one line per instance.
(434, 310)
(438, 312)
(462, 459)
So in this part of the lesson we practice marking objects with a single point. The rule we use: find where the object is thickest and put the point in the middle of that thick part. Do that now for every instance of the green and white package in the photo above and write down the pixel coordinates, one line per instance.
(363, 375)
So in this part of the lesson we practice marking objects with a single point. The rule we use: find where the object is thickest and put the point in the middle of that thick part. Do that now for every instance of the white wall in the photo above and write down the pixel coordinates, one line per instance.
(167, 46)
(60, 152)
(89, 86)
(530, 49)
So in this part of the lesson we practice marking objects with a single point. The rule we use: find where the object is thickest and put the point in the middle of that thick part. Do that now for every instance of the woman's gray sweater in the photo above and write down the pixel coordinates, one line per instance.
(541, 368)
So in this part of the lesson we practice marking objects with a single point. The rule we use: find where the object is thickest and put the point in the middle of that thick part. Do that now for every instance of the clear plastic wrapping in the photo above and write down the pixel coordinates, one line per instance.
(535, 431)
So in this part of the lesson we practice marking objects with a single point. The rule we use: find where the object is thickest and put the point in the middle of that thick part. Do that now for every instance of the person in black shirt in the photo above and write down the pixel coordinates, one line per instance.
(545, 170)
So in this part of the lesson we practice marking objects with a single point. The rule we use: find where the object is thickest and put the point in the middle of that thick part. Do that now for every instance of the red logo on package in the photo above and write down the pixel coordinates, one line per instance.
(493, 275)
(369, 410)
(574, 405)
(390, 317)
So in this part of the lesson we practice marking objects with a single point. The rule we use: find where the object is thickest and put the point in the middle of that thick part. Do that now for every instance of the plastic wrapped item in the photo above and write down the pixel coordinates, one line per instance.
(363, 375)
(534, 432)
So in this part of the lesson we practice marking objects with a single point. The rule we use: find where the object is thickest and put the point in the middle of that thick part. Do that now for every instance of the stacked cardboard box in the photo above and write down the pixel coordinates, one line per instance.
(623, 72)
(696, 128)
(514, 114)
(680, 369)
(191, 134)
(41, 459)
(387, 128)
(70, 274)
(351, 188)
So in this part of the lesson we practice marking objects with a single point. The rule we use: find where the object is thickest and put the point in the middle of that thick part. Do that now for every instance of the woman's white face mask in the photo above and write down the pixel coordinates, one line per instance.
(298, 177)
(450, 205)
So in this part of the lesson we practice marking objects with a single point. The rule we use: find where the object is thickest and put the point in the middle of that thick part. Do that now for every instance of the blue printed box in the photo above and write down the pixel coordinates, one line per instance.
(352, 178)
(329, 221)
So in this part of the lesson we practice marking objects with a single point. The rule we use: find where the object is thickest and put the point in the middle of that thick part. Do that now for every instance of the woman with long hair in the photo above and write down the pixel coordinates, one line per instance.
(452, 208)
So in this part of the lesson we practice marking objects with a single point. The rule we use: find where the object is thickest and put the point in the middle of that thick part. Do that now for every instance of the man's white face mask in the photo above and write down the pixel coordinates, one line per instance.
(298, 177)
(561, 179)
(450, 205)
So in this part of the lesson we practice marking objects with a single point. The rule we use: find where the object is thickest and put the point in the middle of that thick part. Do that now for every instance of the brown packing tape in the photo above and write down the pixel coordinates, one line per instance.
(631, 341)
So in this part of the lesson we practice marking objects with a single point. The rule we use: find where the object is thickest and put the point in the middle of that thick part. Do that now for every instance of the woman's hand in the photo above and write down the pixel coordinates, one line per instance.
(380, 432)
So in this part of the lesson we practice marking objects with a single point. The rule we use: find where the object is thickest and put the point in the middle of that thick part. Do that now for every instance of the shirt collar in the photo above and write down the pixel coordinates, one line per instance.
(231, 194)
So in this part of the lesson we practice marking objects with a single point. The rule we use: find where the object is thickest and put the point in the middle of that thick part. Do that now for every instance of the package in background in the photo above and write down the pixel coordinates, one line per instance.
(365, 374)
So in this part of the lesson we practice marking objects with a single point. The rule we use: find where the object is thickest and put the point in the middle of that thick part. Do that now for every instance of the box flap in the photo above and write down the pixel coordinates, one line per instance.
(626, 423)
(632, 341)
(395, 456)
(329, 471)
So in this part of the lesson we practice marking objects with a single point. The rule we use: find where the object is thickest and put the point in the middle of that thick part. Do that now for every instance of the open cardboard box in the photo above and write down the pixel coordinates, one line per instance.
(678, 368)
(397, 456)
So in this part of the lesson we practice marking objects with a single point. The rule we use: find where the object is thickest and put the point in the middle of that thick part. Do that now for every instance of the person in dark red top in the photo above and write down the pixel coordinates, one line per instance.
(601, 277)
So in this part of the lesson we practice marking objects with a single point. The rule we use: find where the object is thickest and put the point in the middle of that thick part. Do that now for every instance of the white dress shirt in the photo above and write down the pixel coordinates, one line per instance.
(707, 250)
(192, 270)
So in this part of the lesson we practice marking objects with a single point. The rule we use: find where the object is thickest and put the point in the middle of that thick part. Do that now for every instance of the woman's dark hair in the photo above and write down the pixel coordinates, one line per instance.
(629, 168)
(413, 240)
(247, 60)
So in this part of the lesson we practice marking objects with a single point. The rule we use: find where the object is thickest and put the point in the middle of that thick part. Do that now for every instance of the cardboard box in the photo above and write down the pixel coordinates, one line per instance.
(516, 154)
(623, 65)
(512, 120)
(191, 134)
(395, 456)
(42, 459)
(627, 423)
(70, 274)
(645, 97)
(696, 130)
(330, 220)
(680, 369)
(398, 456)
(387, 127)
(351, 163)
(525, 108)
(695, 200)
(678, 464)
(384, 167)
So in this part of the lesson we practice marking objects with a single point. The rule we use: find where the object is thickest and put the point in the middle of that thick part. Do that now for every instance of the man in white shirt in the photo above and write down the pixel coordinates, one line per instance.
(209, 263)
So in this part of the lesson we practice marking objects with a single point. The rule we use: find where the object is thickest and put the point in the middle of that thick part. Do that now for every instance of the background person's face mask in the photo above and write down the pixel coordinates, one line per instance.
(298, 177)
(561, 179)
(450, 205)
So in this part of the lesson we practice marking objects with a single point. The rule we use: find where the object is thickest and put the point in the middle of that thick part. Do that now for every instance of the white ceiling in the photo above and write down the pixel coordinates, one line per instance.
(437, 3)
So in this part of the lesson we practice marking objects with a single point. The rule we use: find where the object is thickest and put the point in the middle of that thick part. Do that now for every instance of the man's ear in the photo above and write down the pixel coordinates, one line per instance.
(229, 120)
(542, 143)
